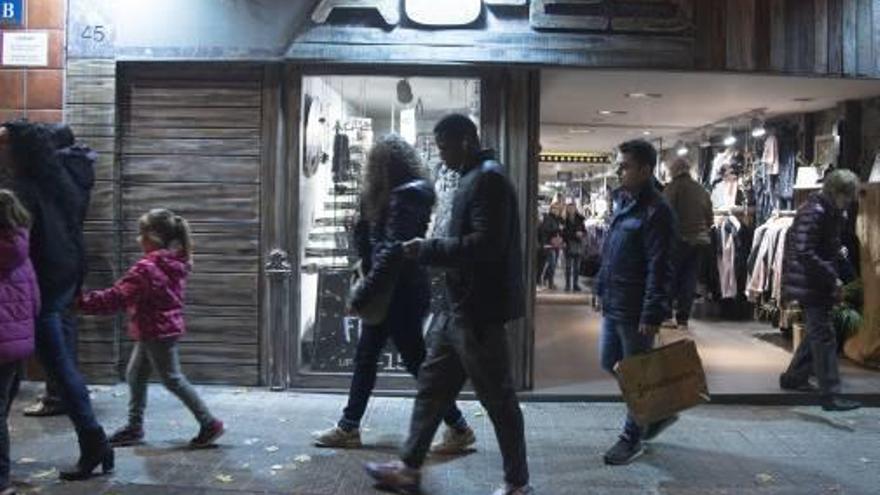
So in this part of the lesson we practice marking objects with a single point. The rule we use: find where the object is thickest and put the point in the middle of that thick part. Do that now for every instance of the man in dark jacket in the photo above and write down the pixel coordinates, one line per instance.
(78, 162)
(483, 262)
(634, 279)
(811, 277)
(693, 209)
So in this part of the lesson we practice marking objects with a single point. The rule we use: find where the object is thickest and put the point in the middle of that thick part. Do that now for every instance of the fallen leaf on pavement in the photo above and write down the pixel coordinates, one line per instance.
(272, 448)
(224, 478)
(302, 458)
(26, 460)
(277, 467)
(764, 478)
(45, 474)
(251, 441)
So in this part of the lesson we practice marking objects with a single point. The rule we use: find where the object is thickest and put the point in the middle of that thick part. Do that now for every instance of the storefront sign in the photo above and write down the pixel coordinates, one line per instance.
(568, 15)
(29, 49)
(11, 13)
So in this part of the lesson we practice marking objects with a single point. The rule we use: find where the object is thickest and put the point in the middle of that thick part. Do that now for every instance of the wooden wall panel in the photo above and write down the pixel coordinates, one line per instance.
(865, 38)
(90, 110)
(820, 35)
(192, 168)
(823, 37)
(191, 141)
(741, 32)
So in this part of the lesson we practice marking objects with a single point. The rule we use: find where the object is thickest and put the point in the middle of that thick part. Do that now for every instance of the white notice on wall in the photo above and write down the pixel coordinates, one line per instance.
(29, 49)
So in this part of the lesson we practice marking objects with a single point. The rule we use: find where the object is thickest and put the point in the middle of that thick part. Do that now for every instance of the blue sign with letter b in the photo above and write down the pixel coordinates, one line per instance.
(11, 13)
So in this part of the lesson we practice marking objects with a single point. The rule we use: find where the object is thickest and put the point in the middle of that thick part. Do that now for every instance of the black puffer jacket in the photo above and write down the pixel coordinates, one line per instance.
(381, 252)
(79, 163)
(812, 253)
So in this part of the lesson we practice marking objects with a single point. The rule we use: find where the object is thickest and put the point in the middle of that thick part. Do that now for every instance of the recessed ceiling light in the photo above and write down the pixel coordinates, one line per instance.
(644, 95)
(611, 112)
(646, 133)
(580, 130)
(805, 99)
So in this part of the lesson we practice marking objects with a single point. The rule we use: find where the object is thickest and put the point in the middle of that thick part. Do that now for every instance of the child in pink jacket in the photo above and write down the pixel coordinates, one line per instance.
(152, 293)
(19, 307)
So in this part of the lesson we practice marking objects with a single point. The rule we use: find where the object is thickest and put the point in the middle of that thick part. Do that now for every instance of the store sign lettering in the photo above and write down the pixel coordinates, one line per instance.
(11, 13)
(569, 15)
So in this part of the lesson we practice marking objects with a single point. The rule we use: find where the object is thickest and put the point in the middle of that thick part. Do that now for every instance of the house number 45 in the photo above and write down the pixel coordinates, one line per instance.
(97, 33)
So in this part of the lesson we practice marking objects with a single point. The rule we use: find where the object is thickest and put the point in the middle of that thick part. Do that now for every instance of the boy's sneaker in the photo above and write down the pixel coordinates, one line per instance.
(127, 436)
(623, 452)
(207, 435)
(395, 476)
(455, 441)
(337, 438)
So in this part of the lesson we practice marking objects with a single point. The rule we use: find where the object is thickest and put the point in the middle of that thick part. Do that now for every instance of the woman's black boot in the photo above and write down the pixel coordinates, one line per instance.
(94, 450)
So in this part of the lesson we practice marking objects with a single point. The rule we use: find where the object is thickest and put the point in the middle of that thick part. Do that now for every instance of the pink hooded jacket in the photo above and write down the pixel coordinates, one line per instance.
(19, 297)
(152, 293)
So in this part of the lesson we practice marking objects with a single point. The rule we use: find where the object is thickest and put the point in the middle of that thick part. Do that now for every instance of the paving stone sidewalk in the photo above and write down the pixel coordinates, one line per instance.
(713, 450)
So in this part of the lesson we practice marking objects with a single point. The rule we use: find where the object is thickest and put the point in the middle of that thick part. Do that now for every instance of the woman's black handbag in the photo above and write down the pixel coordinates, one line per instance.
(375, 309)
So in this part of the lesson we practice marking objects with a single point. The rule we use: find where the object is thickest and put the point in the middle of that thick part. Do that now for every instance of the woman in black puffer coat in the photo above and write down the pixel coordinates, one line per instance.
(55, 204)
(396, 206)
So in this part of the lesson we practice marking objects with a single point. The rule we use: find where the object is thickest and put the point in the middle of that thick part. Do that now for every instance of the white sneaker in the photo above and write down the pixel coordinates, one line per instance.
(337, 438)
(455, 442)
(514, 490)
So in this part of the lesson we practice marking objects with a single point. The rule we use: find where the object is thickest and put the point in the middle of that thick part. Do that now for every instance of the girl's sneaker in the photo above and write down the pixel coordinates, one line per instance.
(207, 435)
(127, 436)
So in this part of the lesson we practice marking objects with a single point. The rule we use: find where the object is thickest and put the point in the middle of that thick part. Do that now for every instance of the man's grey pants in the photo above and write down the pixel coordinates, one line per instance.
(460, 349)
(161, 356)
(817, 352)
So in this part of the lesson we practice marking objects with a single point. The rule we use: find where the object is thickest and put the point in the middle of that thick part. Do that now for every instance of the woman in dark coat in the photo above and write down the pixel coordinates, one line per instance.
(574, 233)
(54, 202)
(396, 206)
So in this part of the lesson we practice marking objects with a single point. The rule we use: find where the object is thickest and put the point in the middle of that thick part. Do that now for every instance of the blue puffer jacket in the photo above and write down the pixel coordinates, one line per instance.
(634, 280)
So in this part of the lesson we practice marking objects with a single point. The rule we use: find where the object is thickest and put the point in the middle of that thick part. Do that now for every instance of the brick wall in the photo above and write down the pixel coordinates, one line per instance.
(37, 93)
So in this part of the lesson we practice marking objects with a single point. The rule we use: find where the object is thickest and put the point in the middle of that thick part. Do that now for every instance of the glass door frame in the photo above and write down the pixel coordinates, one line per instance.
(492, 134)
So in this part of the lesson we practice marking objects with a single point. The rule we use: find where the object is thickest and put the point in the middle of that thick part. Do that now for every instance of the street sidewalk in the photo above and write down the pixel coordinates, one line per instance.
(713, 450)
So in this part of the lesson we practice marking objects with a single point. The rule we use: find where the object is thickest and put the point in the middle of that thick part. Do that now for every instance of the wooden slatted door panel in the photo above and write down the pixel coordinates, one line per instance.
(191, 141)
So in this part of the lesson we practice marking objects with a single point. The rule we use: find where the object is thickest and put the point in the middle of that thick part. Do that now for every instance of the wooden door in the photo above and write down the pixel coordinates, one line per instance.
(190, 141)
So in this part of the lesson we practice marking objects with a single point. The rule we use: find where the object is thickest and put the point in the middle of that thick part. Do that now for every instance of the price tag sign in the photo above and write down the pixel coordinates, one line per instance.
(91, 32)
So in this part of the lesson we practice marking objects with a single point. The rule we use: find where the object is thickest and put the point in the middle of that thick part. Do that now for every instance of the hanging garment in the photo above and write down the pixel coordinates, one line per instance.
(724, 195)
(341, 158)
(727, 259)
(720, 160)
(770, 157)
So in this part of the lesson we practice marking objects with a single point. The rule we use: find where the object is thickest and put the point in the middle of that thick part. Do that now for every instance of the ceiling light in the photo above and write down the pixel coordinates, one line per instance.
(580, 130)
(682, 150)
(730, 140)
(646, 133)
(612, 112)
(758, 129)
(644, 95)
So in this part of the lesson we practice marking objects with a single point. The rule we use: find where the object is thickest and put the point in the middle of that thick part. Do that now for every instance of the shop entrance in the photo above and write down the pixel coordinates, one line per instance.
(756, 143)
